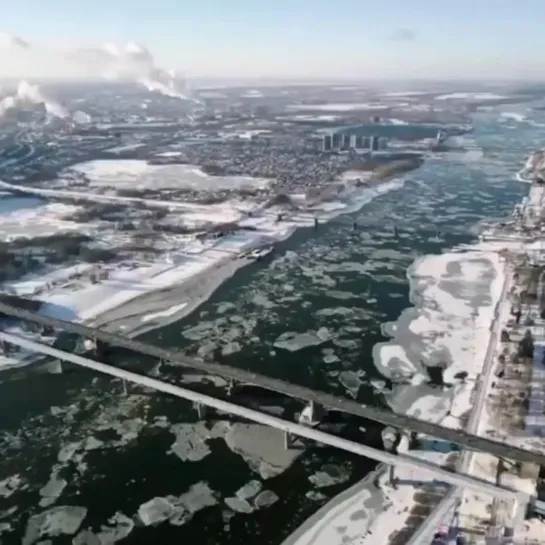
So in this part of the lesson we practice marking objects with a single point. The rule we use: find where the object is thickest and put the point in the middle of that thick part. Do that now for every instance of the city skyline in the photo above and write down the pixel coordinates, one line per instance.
(288, 40)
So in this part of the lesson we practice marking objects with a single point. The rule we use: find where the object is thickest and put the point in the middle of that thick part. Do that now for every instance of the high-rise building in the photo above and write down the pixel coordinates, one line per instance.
(336, 140)
(374, 143)
(327, 142)
(346, 141)
(375, 119)
(358, 144)
(383, 142)
(353, 139)
(366, 142)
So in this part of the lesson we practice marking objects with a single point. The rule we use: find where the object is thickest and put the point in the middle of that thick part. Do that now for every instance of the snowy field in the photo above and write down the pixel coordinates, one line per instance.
(454, 296)
(138, 174)
(471, 96)
(367, 513)
(193, 214)
(25, 219)
(340, 107)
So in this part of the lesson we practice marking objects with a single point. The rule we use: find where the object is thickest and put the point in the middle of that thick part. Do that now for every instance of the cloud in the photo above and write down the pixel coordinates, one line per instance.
(8, 41)
(403, 35)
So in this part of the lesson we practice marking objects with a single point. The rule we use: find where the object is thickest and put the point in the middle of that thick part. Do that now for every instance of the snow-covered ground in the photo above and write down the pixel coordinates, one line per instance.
(193, 214)
(125, 147)
(139, 174)
(367, 513)
(455, 295)
(337, 107)
(24, 218)
(470, 96)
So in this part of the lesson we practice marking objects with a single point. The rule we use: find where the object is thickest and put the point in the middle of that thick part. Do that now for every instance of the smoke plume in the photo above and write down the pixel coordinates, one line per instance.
(27, 95)
(130, 61)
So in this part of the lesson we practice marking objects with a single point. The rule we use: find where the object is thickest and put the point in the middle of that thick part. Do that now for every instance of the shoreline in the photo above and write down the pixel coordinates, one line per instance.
(309, 532)
(402, 506)
(350, 494)
(234, 264)
(224, 255)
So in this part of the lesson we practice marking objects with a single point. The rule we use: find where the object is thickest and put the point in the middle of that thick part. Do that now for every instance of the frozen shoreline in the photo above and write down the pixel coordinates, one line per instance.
(139, 300)
(445, 291)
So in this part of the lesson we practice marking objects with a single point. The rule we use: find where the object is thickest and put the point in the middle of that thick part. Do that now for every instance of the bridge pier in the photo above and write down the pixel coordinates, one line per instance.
(47, 330)
(288, 440)
(392, 477)
(230, 388)
(89, 345)
(55, 367)
(201, 410)
(312, 414)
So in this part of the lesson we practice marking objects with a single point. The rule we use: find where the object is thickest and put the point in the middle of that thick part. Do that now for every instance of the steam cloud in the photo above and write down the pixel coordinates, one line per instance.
(28, 94)
(134, 62)
(130, 61)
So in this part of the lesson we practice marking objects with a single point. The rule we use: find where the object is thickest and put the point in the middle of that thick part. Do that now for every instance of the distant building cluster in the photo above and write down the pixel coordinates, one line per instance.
(346, 140)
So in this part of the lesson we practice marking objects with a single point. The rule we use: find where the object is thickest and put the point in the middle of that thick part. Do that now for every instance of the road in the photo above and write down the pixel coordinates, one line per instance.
(439, 472)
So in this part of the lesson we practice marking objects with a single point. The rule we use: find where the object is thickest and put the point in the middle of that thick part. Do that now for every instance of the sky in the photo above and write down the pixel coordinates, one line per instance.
(301, 39)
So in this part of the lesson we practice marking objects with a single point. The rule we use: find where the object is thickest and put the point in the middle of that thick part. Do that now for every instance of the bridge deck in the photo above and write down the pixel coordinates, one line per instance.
(441, 473)
(459, 437)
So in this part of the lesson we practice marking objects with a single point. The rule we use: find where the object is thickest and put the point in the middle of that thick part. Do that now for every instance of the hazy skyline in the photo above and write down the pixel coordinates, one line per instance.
(498, 39)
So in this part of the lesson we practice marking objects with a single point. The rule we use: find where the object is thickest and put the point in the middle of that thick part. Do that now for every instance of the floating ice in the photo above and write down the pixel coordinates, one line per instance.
(249, 490)
(9, 485)
(92, 443)
(315, 496)
(119, 527)
(53, 489)
(330, 358)
(190, 444)
(265, 499)
(297, 341)
(262, 448)
(65, 519)
(67, 451)
(329, 475)
(231, 348)
(85, 537)
(198, 497)
(155, 511)
(350, 381)
(239, 505)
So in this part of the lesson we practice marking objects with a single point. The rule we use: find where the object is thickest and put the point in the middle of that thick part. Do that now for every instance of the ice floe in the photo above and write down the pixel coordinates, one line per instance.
(61, 520)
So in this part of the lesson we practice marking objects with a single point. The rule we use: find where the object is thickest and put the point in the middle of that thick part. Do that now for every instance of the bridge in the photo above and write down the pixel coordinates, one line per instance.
(459, 437)
(440, 473)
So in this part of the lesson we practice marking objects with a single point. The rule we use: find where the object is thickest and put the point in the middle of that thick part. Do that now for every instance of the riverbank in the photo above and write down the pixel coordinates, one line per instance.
(135, 298)
(454, 296)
